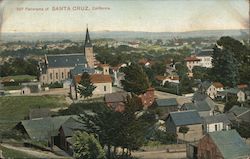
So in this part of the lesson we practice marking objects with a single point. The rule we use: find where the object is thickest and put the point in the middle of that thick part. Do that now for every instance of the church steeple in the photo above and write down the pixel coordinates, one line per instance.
(87, 39)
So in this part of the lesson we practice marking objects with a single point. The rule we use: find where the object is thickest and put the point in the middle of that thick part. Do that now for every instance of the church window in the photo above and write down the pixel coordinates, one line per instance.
(56, 75)
(62, 75)
(105, 88)
(50, 76)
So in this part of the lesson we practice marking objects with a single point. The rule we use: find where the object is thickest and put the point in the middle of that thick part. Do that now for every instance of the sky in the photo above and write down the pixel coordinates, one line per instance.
(122, 15)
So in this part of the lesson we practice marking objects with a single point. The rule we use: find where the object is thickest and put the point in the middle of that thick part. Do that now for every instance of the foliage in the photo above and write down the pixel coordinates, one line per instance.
(10, 153)
(201, 73)
(18, 66)
(87, 146)
(120, 129)
(183, 129)
(230, 103)
(186, 84)
(164, 137)
(231, 60)
(55, 85)
(136, 80)
(86, 87)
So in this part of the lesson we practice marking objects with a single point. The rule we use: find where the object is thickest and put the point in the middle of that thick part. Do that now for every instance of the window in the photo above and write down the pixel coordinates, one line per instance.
(105, 88)
(62, 75)
(50, 76)
(215, 127)
(56, 75)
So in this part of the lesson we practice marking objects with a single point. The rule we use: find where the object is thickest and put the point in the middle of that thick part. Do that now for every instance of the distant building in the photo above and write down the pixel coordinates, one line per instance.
(241, 97)
(218, 122)
(28, 88)
(205, 57)
(56, 68)
(191, 62)
(165, 106)
(239, 114)
(116, 101)
(190, 119)
(223, 145)
(209, 89)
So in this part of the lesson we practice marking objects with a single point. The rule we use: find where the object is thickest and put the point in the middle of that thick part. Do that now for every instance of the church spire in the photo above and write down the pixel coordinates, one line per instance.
(87, 39)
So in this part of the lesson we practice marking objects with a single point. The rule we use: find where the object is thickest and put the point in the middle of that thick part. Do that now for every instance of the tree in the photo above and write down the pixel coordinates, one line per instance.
(183, 130)
(186, 84)
(230, 103)
(136, 80)
(86, 146)
(86, 87)
(200, 73)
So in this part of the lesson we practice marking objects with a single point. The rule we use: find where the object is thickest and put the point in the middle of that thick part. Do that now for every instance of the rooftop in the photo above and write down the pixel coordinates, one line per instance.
(189, 117)
(166, 102)
(230, 144)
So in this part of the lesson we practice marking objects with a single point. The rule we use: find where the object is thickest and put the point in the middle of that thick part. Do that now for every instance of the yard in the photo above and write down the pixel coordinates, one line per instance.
(20, 78)
(13, 109)
(10, 153)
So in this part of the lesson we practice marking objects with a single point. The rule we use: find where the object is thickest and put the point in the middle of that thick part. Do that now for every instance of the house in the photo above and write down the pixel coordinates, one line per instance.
(116, 100)
(31, 87)
(209, 89)
(171, 79)
(219, 86)
(190, 119)
(239, 94)
(223, 145)
(191, 62)
(165, 106)
(239, 114)
(247, 95)
(204, 107)
(147, 98)
(205, 57)
(102, 82)
(218, 122)
(56, 68)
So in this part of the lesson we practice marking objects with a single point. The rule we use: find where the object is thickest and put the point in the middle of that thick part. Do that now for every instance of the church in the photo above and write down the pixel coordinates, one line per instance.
(56, 68)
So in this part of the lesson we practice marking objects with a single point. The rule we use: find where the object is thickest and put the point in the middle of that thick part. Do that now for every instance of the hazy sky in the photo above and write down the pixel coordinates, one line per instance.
(126, 15)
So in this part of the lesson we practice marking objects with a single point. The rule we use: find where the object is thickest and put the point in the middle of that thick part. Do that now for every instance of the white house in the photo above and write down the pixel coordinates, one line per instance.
(205, 57)
(216, 123)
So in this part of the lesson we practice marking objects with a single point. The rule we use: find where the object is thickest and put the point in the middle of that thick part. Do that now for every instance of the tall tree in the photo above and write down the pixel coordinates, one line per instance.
(87, 146)
(86, 87)
(136, 80)
(186, 84)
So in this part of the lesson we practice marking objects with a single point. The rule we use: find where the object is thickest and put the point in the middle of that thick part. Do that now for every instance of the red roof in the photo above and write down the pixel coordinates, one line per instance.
(218, 85)
(192, 58)
(96, 78)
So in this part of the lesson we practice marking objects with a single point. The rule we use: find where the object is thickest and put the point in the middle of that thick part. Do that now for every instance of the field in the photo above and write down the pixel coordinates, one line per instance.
(20, 78)
(14, 153)
(16, 108)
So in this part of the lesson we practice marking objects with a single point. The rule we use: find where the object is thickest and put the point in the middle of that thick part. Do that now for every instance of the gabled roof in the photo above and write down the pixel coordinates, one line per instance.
(217, 119)
(96, 78)
(230, 144)
(199, 96)
(237, 110)
(116, 97)
(183, 118)
(232, 90)
(40, 129)
(218, 85)
(66, 60)
(202, 105)
(72, 125)
(39, 113)
(80, 69)
(166, 102)
(192, 58)
(206, 85)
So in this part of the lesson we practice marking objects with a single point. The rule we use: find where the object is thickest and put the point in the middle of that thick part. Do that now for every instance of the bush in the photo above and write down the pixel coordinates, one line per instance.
(55, 85)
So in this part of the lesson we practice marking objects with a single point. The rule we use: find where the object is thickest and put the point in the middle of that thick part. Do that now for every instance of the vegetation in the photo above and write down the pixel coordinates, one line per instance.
(183, 130)
(120, 129)
(186, 84)
(87, 146)
(86, 87)
(13, 109)
(9, 153)
(232, 100)
(243, 128)
(19, 78)
(231, 61)
(18, 66)
(136, 80)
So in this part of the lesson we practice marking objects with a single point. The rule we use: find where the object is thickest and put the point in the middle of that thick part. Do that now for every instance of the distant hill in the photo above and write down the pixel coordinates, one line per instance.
(118, 35)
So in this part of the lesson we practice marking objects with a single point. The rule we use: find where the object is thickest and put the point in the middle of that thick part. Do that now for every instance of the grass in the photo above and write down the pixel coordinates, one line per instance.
(9, 153)
(13, 109)
(20, 77)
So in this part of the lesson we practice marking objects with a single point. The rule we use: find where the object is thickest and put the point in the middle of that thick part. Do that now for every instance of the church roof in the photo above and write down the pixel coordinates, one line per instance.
(87, 39)
(66, 60)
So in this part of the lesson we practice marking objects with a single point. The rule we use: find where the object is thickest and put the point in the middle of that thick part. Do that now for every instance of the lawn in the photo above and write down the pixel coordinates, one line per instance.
(20, 77)
(15, 108)
(9, 153)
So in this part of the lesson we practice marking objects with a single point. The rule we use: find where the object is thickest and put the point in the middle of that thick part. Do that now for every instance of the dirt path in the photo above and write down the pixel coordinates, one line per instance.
(36, 153)
(159, 155)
